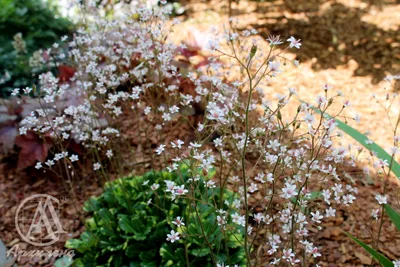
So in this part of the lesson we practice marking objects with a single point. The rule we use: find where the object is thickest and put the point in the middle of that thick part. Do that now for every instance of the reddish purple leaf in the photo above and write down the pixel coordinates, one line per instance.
(33, 149)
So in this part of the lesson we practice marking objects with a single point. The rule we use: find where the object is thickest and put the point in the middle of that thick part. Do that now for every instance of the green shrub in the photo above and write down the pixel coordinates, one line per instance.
(130, 224)
(39, 25)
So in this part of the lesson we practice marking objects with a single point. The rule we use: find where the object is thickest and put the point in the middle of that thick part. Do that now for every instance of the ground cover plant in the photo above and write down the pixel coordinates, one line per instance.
(136, 223)
(286, 173)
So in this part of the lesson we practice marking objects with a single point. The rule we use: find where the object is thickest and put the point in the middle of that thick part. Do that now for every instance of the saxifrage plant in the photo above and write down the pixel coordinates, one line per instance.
(134, 215)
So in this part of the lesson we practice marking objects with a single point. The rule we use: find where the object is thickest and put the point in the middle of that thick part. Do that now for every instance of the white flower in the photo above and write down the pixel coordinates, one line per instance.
(212, 45)
(49, 163)
(22, 130)
(173, 236)
(316, 217)
(147, 110)
(210, 184)
(357, 118)
(109, 153)
(253, 188)
(287, 253)
(170, 186)
(73, 158)
(221, 220)
(274, 40)
(177, 144)
(180, 190)
(327, 195)
(154, 186)
(38, 165)
(174, 109)
(259, 217)
(194, 145)
(294, 42)
(375, 214)
(218, 142)
(15, 92)
(274, 67)
(275, 261)
(166, 116)
(381, 199)
(330, 212)
(348, 199)
(289, 191)
(178, 221)
(274, 145)
(396, 263)
(240, 220)
(96, 166)
(160, 149)
(315, 252)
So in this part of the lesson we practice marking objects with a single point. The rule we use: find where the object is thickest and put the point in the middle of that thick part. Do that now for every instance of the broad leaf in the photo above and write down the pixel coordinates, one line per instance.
(33, 149)
(126, 224)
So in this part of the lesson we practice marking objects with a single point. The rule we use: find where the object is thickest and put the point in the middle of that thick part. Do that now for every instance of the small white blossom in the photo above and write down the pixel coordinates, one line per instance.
(381, 199)
(173, 236)
(74, 158)
(96, 166)
(160, 149)
(178, 221)
(294, 42)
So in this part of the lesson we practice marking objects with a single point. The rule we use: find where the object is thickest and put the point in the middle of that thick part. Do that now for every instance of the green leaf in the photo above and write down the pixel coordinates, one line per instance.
(75, 244)
(315, 195)
(125, 224)
(92, 205)
(393, 215)
(134, 250)
(105, 214)
(379, 257)
(360, 138)
(233, 241)
(200, 252)
(167, 253)
(149, 258)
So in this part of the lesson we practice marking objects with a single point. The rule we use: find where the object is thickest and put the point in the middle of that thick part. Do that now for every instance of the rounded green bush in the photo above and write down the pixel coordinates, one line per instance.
(131, 221)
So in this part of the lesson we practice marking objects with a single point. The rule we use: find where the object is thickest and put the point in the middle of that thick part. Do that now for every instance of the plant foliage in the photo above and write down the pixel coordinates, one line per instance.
(39, 24)
(131, 221)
